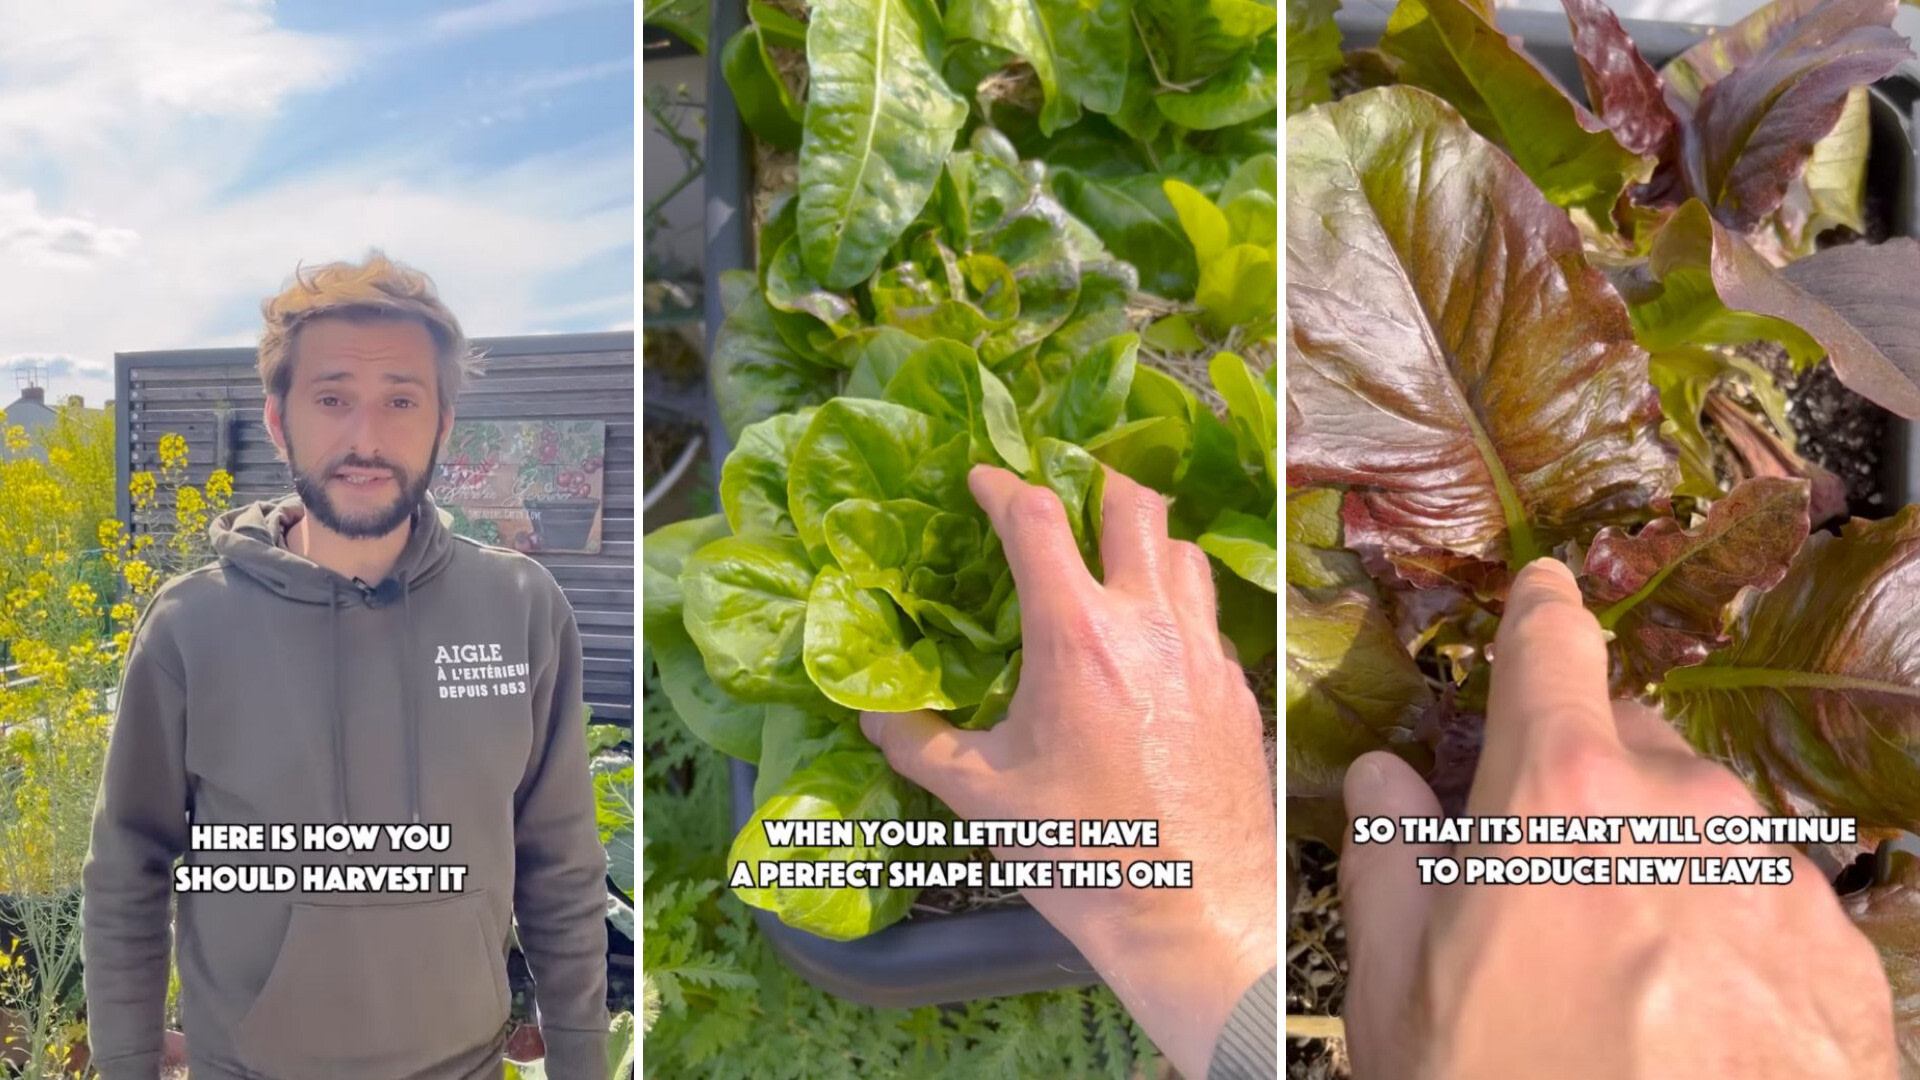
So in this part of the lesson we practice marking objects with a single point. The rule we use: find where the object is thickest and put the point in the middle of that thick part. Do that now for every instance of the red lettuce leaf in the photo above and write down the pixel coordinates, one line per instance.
(1621, 86)
(1453, 48)
(1755, 99)
(1819, 693)
(1664, 591)
(1888, 913)
(1451, 356)
(1351, 688)
(1870, 290)
(1764, 453)
(1455, 737)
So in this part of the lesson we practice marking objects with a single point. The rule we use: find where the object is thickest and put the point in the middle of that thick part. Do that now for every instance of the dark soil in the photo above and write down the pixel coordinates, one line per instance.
(1877, 215)
(956, 899)
(1837, 429)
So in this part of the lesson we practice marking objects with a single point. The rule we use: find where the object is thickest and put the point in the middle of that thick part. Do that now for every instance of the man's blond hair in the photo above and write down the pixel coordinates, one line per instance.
(377, 288)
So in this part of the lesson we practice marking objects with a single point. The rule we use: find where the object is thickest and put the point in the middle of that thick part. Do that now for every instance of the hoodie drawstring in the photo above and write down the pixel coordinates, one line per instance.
(413, 707)
(339, 721)
(253, 540)
(407, 692)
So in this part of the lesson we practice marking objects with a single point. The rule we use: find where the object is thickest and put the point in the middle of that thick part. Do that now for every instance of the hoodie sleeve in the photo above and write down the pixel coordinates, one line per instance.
(560, 891)
(139, 829)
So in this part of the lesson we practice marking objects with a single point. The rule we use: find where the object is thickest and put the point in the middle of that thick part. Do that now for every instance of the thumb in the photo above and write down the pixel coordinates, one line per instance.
(1386, 913)
(927, 750)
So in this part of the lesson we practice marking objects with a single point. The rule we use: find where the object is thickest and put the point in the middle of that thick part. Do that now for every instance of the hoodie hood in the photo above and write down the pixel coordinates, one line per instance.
(252, 538)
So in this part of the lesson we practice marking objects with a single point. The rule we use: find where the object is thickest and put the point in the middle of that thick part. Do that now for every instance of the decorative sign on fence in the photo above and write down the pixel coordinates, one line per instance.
(529, 485)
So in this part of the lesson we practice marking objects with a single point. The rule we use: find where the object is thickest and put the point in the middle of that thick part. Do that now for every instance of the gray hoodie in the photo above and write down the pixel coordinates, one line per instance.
(265, 690)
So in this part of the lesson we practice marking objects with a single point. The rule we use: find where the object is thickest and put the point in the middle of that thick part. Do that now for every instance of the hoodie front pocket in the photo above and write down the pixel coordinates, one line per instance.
(377, 990)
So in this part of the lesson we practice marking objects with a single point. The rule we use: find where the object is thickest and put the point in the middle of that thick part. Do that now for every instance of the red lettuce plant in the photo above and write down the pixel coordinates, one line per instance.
(1506, 318)
(1700, 189)
(1472, 384)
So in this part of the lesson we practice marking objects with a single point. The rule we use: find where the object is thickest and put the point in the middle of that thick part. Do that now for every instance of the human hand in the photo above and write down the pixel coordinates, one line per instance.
(1127, 708)
(1491, 981)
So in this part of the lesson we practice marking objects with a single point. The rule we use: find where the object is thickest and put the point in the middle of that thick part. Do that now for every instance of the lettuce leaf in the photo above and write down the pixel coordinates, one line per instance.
(1818, 694)
(1450, 354)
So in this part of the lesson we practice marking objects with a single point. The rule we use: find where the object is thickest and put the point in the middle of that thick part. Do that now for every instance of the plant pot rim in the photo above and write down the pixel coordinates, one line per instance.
(916, 962)
(675, 473)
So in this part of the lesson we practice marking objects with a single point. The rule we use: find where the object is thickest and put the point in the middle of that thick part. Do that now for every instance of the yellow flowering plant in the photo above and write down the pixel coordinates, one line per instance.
(73, 585)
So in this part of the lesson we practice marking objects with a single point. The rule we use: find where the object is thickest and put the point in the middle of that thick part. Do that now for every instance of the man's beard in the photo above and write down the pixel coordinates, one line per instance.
(312, 489)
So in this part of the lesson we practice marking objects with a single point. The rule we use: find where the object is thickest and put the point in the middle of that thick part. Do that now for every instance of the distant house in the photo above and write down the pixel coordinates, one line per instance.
(33, 413)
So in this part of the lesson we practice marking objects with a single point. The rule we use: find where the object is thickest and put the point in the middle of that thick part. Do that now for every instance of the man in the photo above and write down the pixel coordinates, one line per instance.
(308, 678)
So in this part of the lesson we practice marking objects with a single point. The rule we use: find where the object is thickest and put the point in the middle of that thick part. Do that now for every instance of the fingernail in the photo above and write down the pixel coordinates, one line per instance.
(1541, 581)
(870, 726)
(1552, 566)
(1365, 782)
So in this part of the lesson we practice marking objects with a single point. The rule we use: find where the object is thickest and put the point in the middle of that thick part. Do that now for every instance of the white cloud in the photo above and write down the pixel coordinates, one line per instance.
(75, 73)
(546, 82)
(488, 246)
(513, 98)
(501, 15)
(124, 129)
(32, 238)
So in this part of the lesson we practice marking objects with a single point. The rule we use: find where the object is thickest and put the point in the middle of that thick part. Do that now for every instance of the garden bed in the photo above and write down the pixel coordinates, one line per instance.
(947, 945)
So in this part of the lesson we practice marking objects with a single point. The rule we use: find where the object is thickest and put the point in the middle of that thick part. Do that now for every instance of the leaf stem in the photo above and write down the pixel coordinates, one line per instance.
(1705, 677)
(1612, 616)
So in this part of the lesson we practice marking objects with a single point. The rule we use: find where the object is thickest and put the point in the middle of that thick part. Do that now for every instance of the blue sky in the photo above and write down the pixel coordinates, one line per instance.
(165, 166)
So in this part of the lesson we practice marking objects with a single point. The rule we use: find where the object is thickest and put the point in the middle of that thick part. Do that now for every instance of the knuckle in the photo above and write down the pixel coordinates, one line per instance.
(1714, 787)
(880, 734)
(1036, 509)
(1150, 506)
(1188, 554)
(1082, 625)
(1576, 769)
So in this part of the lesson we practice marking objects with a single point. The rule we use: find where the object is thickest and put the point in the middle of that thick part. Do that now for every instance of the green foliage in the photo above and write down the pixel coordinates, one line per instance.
(686, 19)
(729, 1009)
(1128, 94)
(1822, 662)
(1313, 52)
(1453, 48)
(879, 122)
(1761, 122)
(951, 283)
(860, 575)
(74, 586)
(765, 103)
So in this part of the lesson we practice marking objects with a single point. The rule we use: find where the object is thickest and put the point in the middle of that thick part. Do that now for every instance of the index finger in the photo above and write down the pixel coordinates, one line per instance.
(1032, 526)
(1549, 689)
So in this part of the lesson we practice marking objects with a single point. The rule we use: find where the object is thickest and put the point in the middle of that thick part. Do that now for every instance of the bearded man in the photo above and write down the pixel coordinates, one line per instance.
(303, 679)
